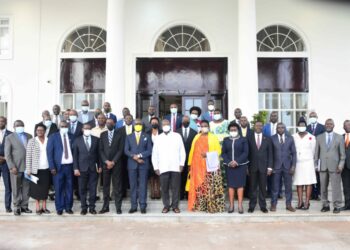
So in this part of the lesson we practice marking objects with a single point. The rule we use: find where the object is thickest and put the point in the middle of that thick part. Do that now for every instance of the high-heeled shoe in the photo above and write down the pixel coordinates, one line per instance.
(231, 210)
(306, 207)
(300, 206)
(240, 210)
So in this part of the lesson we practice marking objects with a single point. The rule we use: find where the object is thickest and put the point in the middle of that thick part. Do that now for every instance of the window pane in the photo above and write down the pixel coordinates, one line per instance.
(286, 101)
(301, 101)
(96, 101)
(78, 98)
(271, 101)
(287, 117)
(299, 114)
(261, 101)
(67, 101)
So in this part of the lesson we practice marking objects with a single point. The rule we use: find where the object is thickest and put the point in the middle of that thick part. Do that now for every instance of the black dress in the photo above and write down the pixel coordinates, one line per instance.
(238, 150)
(40, 190)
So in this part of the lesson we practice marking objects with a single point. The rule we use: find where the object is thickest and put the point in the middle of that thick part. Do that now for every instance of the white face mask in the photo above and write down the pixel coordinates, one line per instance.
(211, 107)
(205, 130)
(301, 129)
(73, 118)
(173, 110)
(63, 131)
(234, 133)
(194, 116)
(87, 132)
(217, 117)
(85, 108)
(313, 120)
(166, 128)
(19, 130)
(47, 123)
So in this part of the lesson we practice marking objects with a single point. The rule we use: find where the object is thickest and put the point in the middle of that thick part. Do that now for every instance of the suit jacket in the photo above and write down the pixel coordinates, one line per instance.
(53, 128)
(178, 120)
(90, 116)
(53, 119)
(15, 151)
(262, 158)
(132, 148)
(146, 124)
(112, 116)
(2, 144)
(78, 130)
(84, 159)
(284, 155)
(241, 152)
(54, 150)
(333, 157)
(111, 152)
(249, 132)
(188, 143)
(92, 123)
(320, 129)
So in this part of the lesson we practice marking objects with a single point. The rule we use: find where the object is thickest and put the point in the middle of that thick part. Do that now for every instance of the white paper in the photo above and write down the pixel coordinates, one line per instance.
(32, 178)
(213, 161)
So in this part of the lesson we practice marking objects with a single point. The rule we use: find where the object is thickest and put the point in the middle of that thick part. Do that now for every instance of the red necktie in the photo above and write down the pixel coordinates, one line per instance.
(174, 123)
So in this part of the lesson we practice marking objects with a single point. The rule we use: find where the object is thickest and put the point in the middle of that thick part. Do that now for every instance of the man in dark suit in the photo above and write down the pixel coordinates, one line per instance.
(86, 167)
(316, 129)
(50, 126)
(121, 122)
(56, 115)
(60, 158)
(346, 171)
(15, 155)
(111, 151)
(260, 166)
(4, 170)
(75, 127)
(146, 120)
(138, 148)
(187, 135)
(107, 112)
(174, 117)
(284, 162)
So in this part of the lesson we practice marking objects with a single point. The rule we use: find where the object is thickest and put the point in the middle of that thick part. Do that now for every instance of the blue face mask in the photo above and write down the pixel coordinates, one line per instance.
(19, 130)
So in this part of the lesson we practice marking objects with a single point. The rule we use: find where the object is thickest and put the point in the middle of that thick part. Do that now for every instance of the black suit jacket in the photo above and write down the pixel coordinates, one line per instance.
(320, 129)
(188, 143)
(262, 158)
(53, 128)
(123, 135)
(2, 145)
(85, 160)
(112, 152)
(78, 130)
(92, 123)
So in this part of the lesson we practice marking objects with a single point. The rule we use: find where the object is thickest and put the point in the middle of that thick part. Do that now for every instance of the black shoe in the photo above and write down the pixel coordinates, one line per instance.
(341, 209)
(264, 210)
(132, 210)
(45, 211)
(119, 211)
(251, 210)
(301, 206)
(69, 211)
(231, 210)
(306, 207)
(143, 210)
(17, 212)
(26, 210)
(39, 212)
(104, 210)
(336, 210)
(83, 212)
(97, 198)
(92, 211)
(59, 212)
(52, 197)
(325, 209)
(240, 210)
(9, 210)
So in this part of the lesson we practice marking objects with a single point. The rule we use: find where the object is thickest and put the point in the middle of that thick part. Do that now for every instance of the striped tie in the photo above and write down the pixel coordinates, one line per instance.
(110, 137)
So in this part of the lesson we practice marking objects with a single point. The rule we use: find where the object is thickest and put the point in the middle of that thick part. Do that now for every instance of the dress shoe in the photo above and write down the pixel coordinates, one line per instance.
(290, 208)
(345, 208)
(240, 210)
(119, 211)
(143, 210)
(264, 210)
(251, 210)
(132, 210)
(104, 210)
(336, 210)
(325, 209)
(9, 210)
(83, 212)
(231, 210)
(301, 206)
(59, 212)
(26, 210)
(45, 211)
(92, 211)
(17, 212)
(306, 207)
(273, 208)
(39, 212)
(69, 211)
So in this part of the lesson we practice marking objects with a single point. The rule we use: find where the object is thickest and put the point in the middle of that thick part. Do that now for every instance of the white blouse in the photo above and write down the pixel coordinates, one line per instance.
(43, 162)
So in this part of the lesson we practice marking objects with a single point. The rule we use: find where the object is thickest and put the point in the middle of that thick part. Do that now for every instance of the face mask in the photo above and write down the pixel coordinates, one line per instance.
(47, 123)
(205, 130)
(211, 107)
(107, 110)
(173, 110)
(63, 131)
(234, 133)
(19, 130)
(166, 128)
(110, 127)
(185, 124)
(138, 128)
(85, 108)
(313, 120)
(301, 129)
(155, 125)
(73, 118)
(217, 117)
(194, 116)
(87, 132)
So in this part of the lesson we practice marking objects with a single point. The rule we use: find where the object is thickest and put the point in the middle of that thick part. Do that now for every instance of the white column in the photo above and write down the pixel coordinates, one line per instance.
(247, 59)
(115, 85)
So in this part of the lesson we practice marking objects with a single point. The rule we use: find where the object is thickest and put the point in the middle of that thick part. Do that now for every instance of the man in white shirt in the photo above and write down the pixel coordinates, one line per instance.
(168, 159)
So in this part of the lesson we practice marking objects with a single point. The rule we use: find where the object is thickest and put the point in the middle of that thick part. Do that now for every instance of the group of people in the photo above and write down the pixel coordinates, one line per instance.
(194, 157)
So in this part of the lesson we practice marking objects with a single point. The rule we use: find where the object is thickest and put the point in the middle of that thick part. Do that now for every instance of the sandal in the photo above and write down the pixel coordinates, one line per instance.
(176, 210)
(165, 210)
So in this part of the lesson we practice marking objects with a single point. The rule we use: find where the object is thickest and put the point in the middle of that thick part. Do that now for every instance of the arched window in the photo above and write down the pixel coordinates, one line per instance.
(5, 95)
(283, 74)
(182, 38)
(83, 67)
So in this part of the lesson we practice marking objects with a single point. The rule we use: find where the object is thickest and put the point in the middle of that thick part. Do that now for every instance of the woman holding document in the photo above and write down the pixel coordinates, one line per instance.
(38, 166)
(206, 192)
(235, 151)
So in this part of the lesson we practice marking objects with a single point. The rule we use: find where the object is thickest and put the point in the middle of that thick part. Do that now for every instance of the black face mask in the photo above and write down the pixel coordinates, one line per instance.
(110, 127)
(185, 124)
(151, 114)
(155, 125)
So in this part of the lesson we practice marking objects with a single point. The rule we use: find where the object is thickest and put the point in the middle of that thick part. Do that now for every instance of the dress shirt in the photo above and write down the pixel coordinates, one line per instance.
(244, 132)
(273, 128)
(43, 162)
(85, 117)
(128, 129)
(2, 135)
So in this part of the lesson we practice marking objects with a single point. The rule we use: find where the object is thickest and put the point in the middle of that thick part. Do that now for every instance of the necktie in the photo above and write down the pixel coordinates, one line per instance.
(137, 139)
(186, 134)
(110, 137)
(347, 140)
(313, 128)
(174, 123)
(72, 129)
(211, 116)
(281, 139)
(87, 143)
(65, 147)
(329, 141)
(258, 142)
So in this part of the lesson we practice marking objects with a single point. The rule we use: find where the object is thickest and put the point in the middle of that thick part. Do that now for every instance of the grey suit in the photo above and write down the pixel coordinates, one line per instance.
(15, 153)
(90, 117)
(332, 158)
(146, 123)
